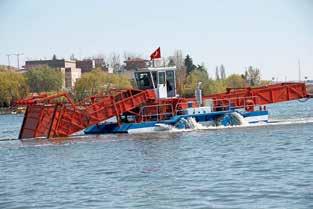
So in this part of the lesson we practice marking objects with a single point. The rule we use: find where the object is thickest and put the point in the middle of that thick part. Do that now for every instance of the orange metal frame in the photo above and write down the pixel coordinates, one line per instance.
(48, 116)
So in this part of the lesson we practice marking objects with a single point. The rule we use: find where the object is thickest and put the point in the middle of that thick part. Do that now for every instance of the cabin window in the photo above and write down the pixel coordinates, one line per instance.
(161, 77)
(170, 83)
(143, 80)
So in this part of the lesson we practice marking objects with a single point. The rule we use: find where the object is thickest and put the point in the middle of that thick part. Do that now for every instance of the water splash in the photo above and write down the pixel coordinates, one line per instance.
(244, 124)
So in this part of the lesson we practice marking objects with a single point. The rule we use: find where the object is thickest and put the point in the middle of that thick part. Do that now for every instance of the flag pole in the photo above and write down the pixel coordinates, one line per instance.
(154, 55)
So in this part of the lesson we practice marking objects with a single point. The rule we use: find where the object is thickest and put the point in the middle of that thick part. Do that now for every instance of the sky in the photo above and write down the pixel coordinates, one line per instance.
(269, 34)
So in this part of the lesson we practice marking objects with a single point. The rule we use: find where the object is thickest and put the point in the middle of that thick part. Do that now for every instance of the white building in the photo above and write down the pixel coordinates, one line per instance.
(71, 74)
(67, 67)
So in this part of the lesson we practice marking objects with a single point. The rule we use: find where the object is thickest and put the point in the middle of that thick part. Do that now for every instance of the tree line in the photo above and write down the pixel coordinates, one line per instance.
(15, 85)
(189, 74)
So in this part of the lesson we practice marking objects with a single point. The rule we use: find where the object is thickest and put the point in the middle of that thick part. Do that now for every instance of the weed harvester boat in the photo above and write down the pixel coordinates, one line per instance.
(152, 106)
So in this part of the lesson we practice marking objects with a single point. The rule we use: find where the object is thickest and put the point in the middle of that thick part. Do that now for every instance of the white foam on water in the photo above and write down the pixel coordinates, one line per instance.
(198, 126)
(240, 118)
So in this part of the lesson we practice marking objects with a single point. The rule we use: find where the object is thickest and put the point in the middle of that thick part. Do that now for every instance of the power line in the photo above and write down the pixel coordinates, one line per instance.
(17, 58)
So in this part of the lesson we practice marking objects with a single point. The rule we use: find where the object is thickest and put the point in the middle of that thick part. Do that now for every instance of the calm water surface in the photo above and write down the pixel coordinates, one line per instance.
(260, 167)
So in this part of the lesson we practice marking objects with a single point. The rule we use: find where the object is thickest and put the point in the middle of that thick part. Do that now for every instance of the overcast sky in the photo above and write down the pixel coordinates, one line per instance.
(269, 34)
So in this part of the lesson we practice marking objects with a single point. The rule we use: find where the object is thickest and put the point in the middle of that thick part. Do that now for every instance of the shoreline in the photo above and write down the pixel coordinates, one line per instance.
(10, 111)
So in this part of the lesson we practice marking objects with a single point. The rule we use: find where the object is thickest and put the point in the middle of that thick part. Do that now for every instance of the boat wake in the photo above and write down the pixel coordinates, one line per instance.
(191, 125)
(197, 126)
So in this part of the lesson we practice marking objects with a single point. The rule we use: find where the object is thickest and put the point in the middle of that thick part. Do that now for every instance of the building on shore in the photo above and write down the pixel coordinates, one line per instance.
(53, 63)
(133, 64)
(67, 67)
(86, 65)
(71, 75)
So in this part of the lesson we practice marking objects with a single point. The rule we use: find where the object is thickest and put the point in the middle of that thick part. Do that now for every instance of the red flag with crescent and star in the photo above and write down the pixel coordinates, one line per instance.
(156, 54)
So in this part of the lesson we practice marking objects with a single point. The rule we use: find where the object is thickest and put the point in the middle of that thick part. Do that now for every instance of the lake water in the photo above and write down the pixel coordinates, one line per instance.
(258, 167)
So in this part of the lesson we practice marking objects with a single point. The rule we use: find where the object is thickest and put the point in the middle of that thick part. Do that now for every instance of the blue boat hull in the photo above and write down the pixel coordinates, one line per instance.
(208, 118)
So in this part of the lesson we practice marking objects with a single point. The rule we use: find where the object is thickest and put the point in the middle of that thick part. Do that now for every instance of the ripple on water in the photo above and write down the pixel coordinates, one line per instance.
(259, 167)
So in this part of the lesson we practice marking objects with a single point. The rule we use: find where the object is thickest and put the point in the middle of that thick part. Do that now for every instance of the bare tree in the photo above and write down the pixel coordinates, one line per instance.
(100, 56)
(217, 73)
(223, 73)
(252, 76)
(114, 61)
(178, 58)
(181, 72)
(125, 56)
(170, 61)
(181, 77)
(72, 57)
(131, 55)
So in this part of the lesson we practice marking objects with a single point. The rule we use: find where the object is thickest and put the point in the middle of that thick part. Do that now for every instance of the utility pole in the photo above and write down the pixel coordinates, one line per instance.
(299, 70)
(18, 59)
(8, 55)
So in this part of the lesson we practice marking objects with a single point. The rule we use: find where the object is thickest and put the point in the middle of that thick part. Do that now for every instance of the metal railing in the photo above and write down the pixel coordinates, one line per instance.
(157, 112)
(247, 103)
(165, 111)
(179, 108)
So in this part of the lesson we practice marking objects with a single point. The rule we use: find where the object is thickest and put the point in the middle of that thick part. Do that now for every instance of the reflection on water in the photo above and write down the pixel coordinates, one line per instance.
(256, 167)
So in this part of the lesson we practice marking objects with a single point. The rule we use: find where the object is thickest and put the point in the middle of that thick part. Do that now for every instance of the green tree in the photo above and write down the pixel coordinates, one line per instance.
(202, 69)
(189, 64)
(44, 79)
(98, 81)
(192, 80)
(209, 86)
(214, 86)
(13, 87)
(235, 81)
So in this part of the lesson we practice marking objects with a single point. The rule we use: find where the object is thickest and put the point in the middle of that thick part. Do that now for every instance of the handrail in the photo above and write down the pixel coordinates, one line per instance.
(177, 109)
(248, 103)
(157, 110)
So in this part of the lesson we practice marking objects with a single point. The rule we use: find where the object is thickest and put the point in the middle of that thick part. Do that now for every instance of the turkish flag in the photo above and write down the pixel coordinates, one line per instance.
(156, 54)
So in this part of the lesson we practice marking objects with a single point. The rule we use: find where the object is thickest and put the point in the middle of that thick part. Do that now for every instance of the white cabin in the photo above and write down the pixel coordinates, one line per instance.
(162, 79)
